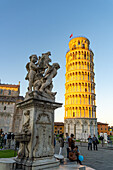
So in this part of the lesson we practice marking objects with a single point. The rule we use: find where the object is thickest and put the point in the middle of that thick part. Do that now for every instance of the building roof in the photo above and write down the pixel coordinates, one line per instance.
(100, 123)
(58, 123)
(10, 85)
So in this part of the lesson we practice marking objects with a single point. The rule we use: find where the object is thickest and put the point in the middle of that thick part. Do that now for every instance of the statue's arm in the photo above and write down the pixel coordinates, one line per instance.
(34, 66)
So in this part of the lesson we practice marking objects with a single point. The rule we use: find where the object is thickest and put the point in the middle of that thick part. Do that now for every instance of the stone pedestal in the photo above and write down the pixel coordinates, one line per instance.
(37, 137)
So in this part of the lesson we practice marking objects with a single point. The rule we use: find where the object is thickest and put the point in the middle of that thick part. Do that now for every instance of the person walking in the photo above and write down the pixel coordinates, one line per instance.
(71, 142)
(72, 154)
(61, 141)
(94, 139)
(67, 144)
(5, 139)
(89, 143)
(1, 141)
(102, 140)
(9, 139)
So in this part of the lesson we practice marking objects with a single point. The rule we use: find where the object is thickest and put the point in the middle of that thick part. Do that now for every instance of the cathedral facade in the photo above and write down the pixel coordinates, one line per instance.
(10, 115)
(80, 99)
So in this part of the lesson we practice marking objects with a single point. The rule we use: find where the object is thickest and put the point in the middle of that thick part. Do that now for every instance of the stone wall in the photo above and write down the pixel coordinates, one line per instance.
(10, 116)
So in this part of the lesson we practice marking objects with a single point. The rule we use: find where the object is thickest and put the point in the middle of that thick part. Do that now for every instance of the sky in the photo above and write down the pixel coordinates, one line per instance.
(34, 27)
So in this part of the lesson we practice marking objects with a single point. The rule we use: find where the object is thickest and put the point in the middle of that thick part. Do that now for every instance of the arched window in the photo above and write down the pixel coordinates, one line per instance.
(80, 111)
(89, 113)
(79, 65)
(85, 56)
(73, 87)
(78, 42)
(88, 87)
(88, 76)
(73, 114)
(80, 87)
(80, 99)
(89, 99)
(4, 107)
(84, 111)
(83, 76)
(88, 66)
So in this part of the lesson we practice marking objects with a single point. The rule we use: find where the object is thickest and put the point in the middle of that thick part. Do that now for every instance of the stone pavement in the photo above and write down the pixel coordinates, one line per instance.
(99, 160)
(67, 165)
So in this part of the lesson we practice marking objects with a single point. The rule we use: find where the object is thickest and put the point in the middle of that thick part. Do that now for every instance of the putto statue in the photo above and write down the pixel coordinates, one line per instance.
(40, 75)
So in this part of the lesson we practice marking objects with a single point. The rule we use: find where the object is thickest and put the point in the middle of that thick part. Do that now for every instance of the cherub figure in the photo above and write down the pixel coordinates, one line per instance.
(32, 70)
(50, 73)
(44, 60)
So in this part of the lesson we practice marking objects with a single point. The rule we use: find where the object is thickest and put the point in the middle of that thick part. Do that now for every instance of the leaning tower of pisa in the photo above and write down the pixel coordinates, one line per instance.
(80, 106)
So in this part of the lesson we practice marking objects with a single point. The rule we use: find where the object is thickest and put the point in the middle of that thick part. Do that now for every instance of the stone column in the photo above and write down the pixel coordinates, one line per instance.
(89, 130)
(38, 141)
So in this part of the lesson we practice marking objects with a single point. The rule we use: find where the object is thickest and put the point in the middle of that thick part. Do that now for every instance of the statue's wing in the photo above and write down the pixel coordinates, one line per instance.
(27, 66)
(41, 61)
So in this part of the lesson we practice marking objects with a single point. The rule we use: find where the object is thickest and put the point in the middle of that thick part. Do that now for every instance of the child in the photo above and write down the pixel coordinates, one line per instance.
(77, 154)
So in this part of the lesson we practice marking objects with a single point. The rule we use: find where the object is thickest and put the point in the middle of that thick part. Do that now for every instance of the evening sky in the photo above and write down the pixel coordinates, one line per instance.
(37, 26)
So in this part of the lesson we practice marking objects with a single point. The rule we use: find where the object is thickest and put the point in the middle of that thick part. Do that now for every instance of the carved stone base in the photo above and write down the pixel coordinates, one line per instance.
(41, 163)
(38, 121)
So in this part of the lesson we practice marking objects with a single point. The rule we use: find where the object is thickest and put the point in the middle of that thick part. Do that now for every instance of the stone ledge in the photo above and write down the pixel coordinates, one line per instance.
(7, 164)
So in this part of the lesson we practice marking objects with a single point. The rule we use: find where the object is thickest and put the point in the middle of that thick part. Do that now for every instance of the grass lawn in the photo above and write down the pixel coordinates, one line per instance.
(7, 153)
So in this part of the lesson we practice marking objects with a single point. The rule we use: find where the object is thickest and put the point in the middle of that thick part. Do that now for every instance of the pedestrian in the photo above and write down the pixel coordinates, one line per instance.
(61, 141)
(1, 141)
(89, 143)
(71, 142)
(94, 139)
(72, 154)
(1, 131)
(67, 144)
(102, 140)
(12, 139)
(77, 154)
(5, 139)
(9, 139)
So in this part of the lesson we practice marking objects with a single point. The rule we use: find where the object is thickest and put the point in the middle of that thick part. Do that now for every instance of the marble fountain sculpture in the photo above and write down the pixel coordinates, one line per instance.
(36, 139)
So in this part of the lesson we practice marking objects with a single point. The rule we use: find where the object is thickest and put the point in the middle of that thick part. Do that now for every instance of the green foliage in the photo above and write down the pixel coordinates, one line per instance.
(77, 140)
(7, 153)
(111, 137)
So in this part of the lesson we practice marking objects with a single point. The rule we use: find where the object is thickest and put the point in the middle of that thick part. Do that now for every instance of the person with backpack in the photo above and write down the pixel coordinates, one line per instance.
(72, 154)
(61, 141)
(89, 143)
(95, 141)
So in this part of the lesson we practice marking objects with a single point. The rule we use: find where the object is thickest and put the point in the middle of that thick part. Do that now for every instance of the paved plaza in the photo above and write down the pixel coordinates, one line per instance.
(99, 160)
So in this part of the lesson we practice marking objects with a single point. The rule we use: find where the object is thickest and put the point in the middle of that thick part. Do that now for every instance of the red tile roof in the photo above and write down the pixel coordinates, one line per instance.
(59, 123)
(99, 123)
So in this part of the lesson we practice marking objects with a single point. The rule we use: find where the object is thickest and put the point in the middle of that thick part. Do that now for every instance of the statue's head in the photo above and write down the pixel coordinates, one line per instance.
(56, 65)
(46, 58)
(33, 58)
(46, 54)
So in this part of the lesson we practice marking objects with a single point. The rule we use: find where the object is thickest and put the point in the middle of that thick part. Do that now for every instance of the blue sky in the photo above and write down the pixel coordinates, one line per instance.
(38, 26)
